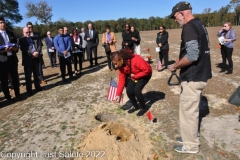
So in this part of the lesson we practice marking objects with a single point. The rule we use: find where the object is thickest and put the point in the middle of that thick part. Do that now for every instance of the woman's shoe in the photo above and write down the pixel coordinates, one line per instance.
(229, 72)
(133, 109)
(222, 71)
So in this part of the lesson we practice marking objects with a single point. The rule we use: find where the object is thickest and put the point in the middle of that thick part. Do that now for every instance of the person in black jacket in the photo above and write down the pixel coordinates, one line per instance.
(127, 41)
(136, 40)
(76, 40)
(162, 42)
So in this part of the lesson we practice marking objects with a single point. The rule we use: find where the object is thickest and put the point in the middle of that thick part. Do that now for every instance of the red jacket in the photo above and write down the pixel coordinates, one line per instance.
(140, 69)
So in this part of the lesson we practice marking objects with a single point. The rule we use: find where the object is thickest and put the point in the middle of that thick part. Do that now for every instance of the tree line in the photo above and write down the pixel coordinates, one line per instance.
(43, 12)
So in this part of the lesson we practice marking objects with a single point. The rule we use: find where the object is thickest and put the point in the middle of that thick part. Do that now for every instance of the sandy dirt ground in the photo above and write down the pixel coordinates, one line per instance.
(62, 122)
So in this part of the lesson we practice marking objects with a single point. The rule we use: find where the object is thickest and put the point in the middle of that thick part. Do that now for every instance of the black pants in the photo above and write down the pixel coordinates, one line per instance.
(77, 60)
(40, 68)
(227, 54)
(52, 57)
(63, 63)
(110, 64)
(134, 90)
(13, 71)
(4, 79)
(28, 70)
(89, 51)
(163, 54)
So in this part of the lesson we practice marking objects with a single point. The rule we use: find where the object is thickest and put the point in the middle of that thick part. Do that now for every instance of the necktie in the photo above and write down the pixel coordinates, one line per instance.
(5, 37)
(90, 33)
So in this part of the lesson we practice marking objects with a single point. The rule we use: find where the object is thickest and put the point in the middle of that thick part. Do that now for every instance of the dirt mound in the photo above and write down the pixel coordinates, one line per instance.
(113, 141)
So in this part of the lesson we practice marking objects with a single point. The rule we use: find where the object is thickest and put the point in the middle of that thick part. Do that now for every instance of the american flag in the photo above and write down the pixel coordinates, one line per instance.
(112, 90)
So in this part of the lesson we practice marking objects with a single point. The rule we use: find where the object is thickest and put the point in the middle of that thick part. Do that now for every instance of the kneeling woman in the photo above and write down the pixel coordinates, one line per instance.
(140, 73)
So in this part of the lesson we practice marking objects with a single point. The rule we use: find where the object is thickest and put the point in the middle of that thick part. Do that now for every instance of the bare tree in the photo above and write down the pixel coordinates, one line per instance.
(42, 11)
(207, 12)
(235, 6)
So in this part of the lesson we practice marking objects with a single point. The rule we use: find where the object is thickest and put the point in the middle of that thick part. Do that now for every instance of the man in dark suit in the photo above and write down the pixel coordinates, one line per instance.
(41, 62)
(91, 36)
(51, 49)
(31, 48)
(8, 61)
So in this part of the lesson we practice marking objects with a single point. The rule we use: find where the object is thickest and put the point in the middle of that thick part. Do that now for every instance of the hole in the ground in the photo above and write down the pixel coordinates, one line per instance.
(121, 132)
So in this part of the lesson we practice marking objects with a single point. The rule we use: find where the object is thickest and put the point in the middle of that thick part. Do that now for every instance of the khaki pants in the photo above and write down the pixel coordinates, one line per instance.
(189, 113)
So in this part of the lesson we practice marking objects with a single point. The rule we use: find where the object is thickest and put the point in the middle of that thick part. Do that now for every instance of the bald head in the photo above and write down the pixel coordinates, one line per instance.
(26, 32)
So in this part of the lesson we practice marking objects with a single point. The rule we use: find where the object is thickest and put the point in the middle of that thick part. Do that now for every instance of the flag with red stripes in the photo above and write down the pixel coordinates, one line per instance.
(112, 90)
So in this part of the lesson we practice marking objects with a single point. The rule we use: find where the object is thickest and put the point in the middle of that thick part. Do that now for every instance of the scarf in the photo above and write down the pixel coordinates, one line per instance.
(75, 37)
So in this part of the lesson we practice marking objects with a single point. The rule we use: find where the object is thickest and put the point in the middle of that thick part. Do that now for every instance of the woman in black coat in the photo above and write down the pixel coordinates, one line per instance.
(136, 40)
(162, 42)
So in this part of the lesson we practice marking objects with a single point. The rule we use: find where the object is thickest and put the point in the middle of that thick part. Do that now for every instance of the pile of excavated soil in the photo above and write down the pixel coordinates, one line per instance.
(113, 141)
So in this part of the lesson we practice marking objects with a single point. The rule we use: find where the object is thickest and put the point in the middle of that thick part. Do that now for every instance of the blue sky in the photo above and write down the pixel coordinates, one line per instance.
(83, 10)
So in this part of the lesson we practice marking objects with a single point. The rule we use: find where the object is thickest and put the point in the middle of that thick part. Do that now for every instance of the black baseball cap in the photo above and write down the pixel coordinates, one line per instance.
(181, 6)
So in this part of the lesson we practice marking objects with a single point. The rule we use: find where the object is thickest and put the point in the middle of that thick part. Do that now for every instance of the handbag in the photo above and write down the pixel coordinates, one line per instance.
(128, 77)
(107, 48)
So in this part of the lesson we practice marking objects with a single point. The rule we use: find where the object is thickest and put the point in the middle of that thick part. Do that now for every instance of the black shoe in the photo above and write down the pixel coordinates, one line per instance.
(141, 112)
(39, 89)
(96, 64)
(9, 100)
(90, 66)
(229, 72)
(72, 78)
(221, 71)
(126, 107)
(133, 109)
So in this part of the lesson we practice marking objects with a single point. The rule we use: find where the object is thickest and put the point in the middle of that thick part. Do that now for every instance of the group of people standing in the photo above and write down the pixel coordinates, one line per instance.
(134, 72)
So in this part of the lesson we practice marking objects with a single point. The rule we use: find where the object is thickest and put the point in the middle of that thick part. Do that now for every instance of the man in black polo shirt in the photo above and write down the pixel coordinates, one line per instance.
(195, 64)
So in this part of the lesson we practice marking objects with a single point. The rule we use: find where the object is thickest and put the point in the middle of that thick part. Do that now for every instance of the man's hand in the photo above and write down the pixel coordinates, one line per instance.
(117, 99)
(126, 44)
(15, 49)
(53, 48)
(35, 54)
(64, 53)
(132, 75)
(88, 39)
(172, 67)
(8, 49)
